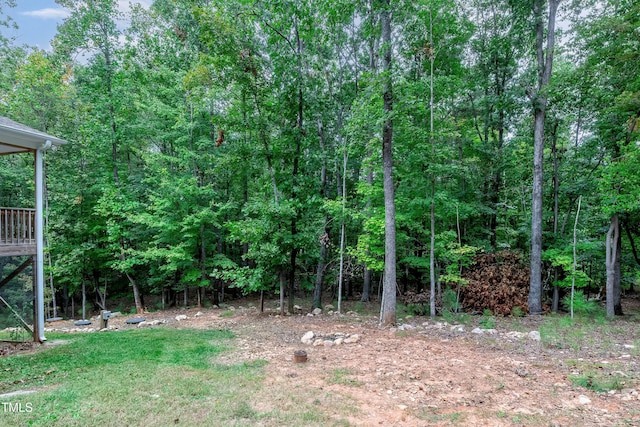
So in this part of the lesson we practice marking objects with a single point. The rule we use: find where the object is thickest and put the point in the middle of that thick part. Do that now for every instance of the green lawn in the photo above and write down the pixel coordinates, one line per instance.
(147, 377)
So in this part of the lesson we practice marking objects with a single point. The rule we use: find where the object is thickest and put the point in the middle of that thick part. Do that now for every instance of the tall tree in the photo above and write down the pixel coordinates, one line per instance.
(545, 44)
(388, 309)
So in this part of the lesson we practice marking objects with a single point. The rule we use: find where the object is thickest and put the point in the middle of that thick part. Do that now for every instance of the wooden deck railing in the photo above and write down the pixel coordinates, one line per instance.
(17, 228)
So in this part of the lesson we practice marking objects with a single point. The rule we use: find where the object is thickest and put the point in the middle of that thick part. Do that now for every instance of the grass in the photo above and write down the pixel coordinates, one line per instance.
(341, 376)
(150, 377)
(597, 382)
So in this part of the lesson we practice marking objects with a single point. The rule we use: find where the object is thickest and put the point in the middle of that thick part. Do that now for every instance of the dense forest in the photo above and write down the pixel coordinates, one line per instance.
(361, 148)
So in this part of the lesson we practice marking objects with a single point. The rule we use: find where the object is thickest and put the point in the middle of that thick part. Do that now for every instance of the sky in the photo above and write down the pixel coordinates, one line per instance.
(38, 19)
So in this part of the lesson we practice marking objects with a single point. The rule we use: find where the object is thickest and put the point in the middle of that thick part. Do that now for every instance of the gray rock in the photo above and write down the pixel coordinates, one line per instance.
(583, 400)
(307, 338)
(477, 331)
(329, 307)
(316, 311)
(328, 343)
(352, 339)
(534, 335)
(318, 343)
(180, 317)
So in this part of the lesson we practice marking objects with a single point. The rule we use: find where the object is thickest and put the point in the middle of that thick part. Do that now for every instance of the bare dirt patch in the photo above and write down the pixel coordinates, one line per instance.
(431, 373)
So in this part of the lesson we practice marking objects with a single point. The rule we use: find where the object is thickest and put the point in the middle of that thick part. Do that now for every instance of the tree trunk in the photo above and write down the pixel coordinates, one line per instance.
(388, 309)
(324, 239)
(317, 289)
(539, 98)
(611, 256)
(432, 211)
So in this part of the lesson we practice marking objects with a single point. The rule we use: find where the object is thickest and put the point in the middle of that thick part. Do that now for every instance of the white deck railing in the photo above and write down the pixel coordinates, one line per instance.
(17, 227)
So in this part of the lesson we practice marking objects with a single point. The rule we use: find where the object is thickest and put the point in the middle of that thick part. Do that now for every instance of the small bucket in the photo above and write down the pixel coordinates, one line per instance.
(299, 356)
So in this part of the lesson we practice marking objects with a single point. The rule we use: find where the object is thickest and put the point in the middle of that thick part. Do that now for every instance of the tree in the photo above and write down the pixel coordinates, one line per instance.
(388, 309)
(538, 96)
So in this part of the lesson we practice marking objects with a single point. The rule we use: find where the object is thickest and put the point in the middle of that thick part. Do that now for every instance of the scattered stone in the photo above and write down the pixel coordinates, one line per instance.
(318, 343)
(297, 307)
(316, 311)
(406, 327)
(339, 341)
(329, 307)
(307, 338)
(477, 331)
(352, 339)
(198, 314)
(583, 400)
(402, 407)
(330, 312)
(214, 306)
(328, 343)
(629, 346)
(232, 308)
(180, 317)
(491, 331)
(516, 335)
(309, 315)
(115, 314)
(151, 323)
(534, 336)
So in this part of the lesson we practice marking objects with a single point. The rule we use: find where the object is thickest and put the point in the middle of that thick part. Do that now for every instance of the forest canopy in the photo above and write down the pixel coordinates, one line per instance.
(271, 146)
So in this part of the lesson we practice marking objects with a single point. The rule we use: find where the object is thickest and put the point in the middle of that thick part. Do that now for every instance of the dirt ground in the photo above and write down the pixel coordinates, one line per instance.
(431, 373)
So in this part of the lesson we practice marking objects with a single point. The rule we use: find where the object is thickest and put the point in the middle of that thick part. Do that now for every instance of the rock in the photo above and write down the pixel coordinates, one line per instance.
(477, 331)
(515, 334)
(583, 400)
(329, 307)
(318, 343)
(214, 306)
(232, 308)
(144, 324)
(629, 346)
(534, 336)
(316, 311)
(180, 317)
(330, 312)
(198, 314)
(352, 339)
(328, 343)
(115, 314)
(297, 307)
(339, 341)
(309, 315)
(490, 331)
(402, 407)
(307, 338)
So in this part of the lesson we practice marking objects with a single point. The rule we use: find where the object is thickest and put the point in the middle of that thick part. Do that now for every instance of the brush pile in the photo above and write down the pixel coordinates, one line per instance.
(498, 282)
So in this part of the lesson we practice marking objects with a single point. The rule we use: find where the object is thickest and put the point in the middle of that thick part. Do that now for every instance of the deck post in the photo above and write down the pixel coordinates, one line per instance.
(38, 322)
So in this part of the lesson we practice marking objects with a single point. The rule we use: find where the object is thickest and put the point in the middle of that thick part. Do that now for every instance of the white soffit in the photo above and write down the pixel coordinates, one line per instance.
(17, 138)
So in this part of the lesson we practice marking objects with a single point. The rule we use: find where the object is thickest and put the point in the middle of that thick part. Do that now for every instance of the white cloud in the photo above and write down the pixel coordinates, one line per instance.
(48, 13)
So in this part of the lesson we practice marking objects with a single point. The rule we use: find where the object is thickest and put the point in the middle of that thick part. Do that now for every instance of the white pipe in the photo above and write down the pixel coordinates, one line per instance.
(39, 273)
